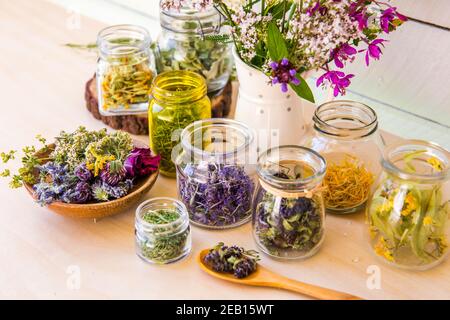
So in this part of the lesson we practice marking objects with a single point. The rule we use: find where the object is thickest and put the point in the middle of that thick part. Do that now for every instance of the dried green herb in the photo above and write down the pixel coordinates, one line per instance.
(165, 243)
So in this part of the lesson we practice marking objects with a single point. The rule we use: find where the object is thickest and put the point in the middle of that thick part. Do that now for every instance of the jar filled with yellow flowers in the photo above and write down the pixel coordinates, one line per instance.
(409, 210)
(346, 134)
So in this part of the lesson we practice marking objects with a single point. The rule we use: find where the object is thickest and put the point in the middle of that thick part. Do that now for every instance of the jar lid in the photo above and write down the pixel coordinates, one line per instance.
(417, 160)
(122, 40)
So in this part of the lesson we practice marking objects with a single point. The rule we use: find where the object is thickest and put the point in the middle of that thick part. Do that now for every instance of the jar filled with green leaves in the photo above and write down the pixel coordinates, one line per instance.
(162, 231)
(288, 208)
(124, 70)
(190, 40)
(408, 213)
(179, 99)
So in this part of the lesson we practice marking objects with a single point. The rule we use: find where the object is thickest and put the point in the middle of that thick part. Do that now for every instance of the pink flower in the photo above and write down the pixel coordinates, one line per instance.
(359, 15)
(389, 15)
(374, 50)
(343, 53)
(317, 7)
(337, 80)
(141, 162)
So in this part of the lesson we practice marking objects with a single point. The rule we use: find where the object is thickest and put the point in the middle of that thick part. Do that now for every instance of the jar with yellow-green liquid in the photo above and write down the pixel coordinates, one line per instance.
(178, 99)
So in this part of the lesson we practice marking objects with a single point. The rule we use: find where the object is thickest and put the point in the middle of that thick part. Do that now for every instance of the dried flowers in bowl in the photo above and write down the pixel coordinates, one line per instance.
(288, 210)
(84, 169)
(213, 179)
(235, 260)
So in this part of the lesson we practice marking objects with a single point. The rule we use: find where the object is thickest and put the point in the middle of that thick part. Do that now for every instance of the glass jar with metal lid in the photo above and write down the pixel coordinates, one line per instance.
(408, 213)
(185, 43)
(124, 70)
(346, 134)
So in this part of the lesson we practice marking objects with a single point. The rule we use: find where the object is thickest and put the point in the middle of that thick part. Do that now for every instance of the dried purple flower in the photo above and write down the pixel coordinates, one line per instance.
(83, 173)
(283, 72)
(102, 191)
(216, 195)
(141, 162)
(81, 193)
(113, 173)
(232, 259)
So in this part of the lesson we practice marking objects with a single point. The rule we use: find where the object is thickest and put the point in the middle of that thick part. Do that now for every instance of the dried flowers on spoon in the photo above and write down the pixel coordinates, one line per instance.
(235, 260)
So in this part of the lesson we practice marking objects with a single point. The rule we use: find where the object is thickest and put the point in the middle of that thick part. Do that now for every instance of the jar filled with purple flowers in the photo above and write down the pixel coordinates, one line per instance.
(214, 173)
(288, 209)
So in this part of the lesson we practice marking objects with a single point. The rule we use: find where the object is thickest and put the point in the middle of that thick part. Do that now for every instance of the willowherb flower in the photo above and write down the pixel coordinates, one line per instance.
(359, 14)
(343, 53)
(171, 4)
(317, 7)
(374, 50)
(284, 73)
(388, 16)
(338, 80)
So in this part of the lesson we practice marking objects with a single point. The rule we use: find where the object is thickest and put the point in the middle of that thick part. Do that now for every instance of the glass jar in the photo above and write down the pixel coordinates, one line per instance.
(183, 45)
(124, 70)
(214, 174)
(409, 210)
(162, 231)
(288, 209)
(346, 134)
(179, 98)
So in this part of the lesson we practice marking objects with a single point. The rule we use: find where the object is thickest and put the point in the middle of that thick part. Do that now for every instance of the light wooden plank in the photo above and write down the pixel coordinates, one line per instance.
(432, 11)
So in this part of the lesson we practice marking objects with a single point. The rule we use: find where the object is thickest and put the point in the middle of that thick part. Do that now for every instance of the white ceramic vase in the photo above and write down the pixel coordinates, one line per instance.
(276, 117)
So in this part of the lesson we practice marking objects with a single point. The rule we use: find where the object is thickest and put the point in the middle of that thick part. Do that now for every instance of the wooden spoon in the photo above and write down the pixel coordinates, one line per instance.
(266, 278)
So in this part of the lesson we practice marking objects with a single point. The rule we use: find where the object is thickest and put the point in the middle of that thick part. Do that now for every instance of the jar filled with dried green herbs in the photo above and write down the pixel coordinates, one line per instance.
(288, 208)
(408, 213)
(346, 134)
(179, 99)
(189, 41)
(162, 231)
(124, 70)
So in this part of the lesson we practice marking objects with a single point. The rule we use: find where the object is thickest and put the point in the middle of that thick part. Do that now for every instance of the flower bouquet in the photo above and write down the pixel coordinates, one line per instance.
(278, 42)
(84, 169)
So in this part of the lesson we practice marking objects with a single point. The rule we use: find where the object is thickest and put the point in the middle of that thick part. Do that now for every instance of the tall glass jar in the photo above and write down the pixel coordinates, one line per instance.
(179, 99)
(346, 134)
(214, 174)
(124, 70)
(409, 210)
(184, 45)
(288, 210)
(162, 231)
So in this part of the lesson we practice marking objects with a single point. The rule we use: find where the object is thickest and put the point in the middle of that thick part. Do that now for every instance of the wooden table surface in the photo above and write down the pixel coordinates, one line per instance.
(43, 255)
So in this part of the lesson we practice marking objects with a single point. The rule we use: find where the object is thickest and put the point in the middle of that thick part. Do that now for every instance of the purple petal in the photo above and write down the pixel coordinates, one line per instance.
(284, 62)
(275, 80)
(295, 81)
(274, 65)
(284, 87)
(338, 62)
(320, 80)
(292, 72)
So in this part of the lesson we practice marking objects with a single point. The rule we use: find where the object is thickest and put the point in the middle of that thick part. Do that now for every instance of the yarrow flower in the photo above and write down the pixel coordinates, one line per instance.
(338, 80)
(343, 53)
(373, 50)
(389, 15)
(284, 73)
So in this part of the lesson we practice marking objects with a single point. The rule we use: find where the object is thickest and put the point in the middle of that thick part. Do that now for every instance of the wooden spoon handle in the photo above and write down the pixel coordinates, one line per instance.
(312, 290)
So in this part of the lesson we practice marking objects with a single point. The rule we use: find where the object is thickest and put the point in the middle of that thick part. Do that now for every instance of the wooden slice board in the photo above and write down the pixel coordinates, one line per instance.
(138, 124)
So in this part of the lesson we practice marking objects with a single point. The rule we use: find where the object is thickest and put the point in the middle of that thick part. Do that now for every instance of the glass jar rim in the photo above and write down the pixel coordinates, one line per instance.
(181, 208)
(169, 78)
(364, 129)
(140, 33)
(270, 178)
(243, 129)
(402, 146)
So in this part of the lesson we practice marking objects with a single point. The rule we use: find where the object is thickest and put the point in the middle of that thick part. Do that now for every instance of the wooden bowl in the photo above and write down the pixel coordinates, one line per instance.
(100, 209)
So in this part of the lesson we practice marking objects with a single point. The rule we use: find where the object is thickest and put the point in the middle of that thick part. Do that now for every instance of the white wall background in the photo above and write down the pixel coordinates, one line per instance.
(409, 87)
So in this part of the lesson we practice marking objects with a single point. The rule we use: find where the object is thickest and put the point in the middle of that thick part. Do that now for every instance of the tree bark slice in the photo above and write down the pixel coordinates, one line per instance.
(138, 124)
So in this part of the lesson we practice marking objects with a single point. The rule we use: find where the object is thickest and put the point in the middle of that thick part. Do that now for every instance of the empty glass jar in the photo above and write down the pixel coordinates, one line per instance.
(124, 70)
(346, 134)
(409, 210)
(215, 180)
(162, 231)
(288, 210)
(179, 99)
(183, 44)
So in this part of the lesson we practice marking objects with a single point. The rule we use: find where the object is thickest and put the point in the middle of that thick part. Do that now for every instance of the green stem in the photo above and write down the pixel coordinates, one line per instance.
(284, 16)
